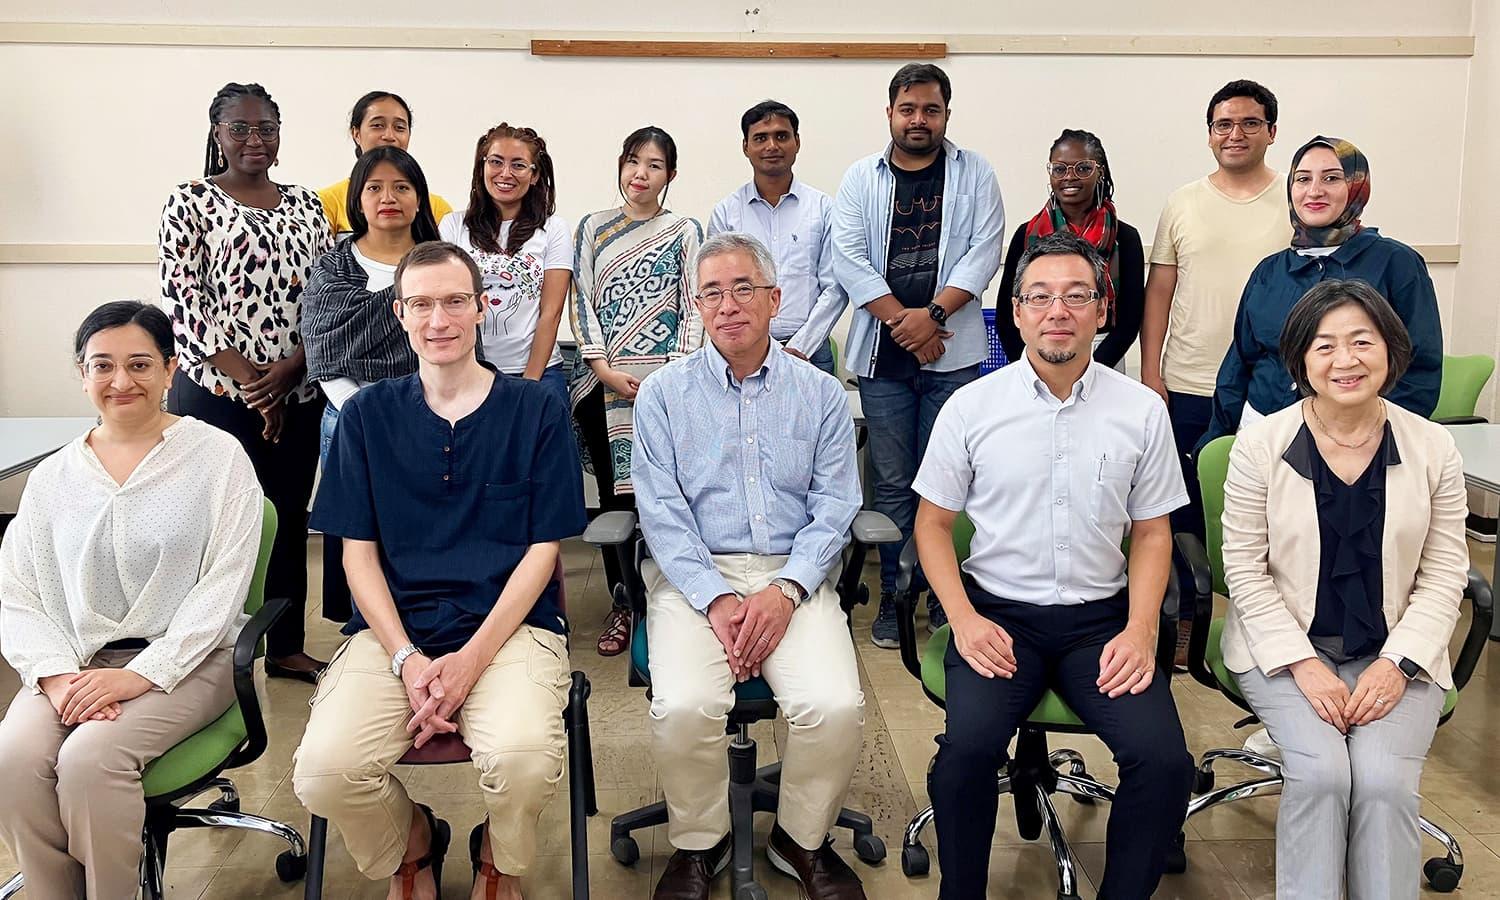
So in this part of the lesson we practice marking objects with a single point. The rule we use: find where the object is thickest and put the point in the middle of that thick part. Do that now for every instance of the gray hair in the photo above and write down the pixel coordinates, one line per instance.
(1060, 243)
(739, 242)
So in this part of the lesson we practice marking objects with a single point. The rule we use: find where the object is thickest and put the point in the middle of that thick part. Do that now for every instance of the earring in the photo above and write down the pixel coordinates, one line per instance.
(219, 161)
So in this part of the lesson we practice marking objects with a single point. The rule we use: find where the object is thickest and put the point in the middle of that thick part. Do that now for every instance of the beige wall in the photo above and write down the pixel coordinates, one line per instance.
(103, 131)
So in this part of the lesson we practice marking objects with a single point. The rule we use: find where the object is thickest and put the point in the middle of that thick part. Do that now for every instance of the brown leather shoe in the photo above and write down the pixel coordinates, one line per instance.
(1184, 635)
(690, 873)
(824, 876)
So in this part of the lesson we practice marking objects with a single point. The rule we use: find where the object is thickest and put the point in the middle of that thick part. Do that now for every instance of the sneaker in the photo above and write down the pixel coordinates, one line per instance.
(936, 618)
(883, 632)
(1260, 743)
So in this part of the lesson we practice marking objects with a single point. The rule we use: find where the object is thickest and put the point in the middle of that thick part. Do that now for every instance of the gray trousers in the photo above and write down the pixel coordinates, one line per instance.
(1348, 816)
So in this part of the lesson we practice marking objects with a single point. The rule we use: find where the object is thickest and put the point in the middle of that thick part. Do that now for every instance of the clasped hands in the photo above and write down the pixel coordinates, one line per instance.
(1379, 688)
(93, 695)
(750, 628)
(436, 688)
(918, 333)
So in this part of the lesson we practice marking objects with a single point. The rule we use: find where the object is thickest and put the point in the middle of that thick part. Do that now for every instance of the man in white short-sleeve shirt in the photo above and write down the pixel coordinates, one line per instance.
(1054, 460)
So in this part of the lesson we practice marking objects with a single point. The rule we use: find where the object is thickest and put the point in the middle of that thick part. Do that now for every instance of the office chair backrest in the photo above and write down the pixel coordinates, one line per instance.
(1213, 466)
(256, 598)
(1464, 377)
(963, 536)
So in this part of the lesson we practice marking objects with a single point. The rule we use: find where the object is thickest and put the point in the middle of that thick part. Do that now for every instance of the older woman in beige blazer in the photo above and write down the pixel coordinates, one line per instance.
(1345, 559)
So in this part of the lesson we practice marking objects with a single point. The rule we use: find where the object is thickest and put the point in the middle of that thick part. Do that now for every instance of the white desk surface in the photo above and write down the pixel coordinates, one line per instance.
(1479, 445)
(24, 442)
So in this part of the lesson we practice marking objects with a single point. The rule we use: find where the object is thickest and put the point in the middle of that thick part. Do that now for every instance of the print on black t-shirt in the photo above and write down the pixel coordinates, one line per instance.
(911, 262)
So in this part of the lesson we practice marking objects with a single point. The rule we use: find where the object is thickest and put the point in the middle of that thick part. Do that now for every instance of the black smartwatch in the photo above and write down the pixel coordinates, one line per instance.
(1409, 668)
(938, 313)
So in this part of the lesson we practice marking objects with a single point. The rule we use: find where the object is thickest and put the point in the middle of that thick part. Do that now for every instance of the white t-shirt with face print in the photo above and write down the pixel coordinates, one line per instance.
(513, 285)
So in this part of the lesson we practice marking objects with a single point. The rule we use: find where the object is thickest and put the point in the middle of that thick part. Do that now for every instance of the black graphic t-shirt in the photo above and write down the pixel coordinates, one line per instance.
(911, 266)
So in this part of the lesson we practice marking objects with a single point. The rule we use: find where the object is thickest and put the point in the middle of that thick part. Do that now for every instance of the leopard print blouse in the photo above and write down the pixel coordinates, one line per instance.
(232, 277)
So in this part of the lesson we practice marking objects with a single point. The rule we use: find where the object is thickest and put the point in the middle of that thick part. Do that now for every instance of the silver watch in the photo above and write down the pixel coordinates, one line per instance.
(789, 589)
(399, 659)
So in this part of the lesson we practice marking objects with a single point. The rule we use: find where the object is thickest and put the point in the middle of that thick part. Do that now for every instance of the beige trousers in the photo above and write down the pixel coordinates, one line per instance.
(512, 720)
(813, 675)
(71, 805)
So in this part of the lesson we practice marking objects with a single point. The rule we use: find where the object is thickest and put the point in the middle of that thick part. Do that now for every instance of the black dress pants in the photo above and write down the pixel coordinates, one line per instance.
(1057, 647)
(285, 470)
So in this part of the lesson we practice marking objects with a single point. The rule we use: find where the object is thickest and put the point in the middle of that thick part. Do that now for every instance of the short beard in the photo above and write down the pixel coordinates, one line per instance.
(1057, 357)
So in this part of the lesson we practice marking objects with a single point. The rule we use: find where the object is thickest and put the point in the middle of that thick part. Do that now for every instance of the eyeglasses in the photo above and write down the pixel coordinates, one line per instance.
(1081, 169)
(1044, 300)
(422, 306)
(102, 371)
(1247, 126)
(515, 166)
(241, 131)
(743, 293)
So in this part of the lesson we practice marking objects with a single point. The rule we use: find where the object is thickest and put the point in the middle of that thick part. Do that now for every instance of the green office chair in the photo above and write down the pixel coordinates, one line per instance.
(1464, 377)
(1034, 772)
(236, 738)
(833, 348)
(1206, 663)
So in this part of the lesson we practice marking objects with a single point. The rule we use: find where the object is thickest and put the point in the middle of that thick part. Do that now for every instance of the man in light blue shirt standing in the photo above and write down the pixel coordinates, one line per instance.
(795, 222)
(746, 485)
(916, 234)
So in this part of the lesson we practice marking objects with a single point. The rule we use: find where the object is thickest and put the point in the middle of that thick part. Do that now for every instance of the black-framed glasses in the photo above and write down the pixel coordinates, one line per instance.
(743, 293)
(140, 368)
(1250, 125)
(1081, 169)
(1044, 300)
(514, 166)
(457, 304)
(241, 131)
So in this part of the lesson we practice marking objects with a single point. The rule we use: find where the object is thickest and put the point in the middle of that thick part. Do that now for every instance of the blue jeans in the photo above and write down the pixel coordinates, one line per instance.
(555, 378)
(325, 432)
(899, 414)
(823, 358)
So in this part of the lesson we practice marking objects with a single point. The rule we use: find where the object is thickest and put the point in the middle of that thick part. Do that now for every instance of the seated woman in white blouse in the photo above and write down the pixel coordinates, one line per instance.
(122, 584)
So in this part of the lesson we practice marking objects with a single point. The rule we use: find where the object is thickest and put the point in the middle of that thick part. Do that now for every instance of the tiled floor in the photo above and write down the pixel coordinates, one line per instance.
(1230, 850)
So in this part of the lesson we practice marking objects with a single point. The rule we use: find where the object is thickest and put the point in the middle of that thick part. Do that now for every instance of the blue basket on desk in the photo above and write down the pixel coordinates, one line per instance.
(996, 358)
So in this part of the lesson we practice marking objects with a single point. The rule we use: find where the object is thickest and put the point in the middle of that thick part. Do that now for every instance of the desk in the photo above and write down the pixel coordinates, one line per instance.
(24, 442)
(1479, 445)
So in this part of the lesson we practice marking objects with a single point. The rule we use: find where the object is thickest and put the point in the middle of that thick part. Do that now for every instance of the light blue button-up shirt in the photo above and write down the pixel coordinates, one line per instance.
(968, 251)
(763, 466)
(798, 231)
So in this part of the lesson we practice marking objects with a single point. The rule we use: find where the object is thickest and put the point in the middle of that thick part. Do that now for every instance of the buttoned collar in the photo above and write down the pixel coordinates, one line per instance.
(1082, 388)
(749, 195)
(721, 375)
(950, 150)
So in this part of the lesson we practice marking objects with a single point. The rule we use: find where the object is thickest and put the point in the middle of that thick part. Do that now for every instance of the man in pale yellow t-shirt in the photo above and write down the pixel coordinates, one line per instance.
(1210, 237)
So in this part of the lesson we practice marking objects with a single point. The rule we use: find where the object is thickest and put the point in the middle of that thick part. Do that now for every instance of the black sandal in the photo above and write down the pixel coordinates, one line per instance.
(437, 848)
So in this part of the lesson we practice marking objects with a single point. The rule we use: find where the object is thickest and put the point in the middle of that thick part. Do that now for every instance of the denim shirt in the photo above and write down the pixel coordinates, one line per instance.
(968, 255)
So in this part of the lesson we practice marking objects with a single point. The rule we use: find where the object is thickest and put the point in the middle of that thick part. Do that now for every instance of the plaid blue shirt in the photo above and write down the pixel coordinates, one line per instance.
(763, 466)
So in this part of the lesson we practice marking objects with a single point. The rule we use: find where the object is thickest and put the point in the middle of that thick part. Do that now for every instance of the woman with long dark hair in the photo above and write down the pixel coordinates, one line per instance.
(378, 119)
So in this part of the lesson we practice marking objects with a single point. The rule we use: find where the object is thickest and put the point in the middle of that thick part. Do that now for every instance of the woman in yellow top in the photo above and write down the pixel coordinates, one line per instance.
(379, 119)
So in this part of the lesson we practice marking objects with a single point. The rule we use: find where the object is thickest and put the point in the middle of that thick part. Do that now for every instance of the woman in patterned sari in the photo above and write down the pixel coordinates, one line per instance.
(632, 312)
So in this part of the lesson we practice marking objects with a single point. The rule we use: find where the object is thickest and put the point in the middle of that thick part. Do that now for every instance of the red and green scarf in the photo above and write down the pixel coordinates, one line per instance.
(1098, 229)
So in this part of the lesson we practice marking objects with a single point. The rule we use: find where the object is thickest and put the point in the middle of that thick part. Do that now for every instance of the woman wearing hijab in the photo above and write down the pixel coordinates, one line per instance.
(1327, 190)
(1081, 200)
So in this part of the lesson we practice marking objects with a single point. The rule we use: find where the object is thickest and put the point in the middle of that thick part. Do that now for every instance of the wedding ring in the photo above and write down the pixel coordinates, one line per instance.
(1379, 701)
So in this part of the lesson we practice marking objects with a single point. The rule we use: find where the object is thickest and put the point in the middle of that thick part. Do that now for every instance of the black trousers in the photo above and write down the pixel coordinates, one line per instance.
(595, 431)
(1058, 647)
(285, 470)
(1190, 416)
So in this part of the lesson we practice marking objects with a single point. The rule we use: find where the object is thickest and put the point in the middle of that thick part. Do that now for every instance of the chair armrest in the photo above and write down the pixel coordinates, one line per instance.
(1481, 595)
(1462, 420)
(1195, 559)
(906, 599)
(872, 528)
(246, 648)
(610, 529)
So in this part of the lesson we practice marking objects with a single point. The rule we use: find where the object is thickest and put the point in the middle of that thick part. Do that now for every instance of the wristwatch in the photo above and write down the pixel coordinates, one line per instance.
(1408, 668)
(938, 313)
(789, 589)
(399, 659)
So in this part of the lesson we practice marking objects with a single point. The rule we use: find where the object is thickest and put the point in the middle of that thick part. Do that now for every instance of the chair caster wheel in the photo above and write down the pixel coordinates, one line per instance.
(290, 867)
(914, 861)
(1442, 875)
(225, 805)
(625, 850)
(869, 848)
(1203, 781)
(1062, 896)
(1084, 801)
(751, 891)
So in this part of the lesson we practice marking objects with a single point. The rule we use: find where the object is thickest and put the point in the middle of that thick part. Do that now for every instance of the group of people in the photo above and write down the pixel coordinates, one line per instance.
(416, 358)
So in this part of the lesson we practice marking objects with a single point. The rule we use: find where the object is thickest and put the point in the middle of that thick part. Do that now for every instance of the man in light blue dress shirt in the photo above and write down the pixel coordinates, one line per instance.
(746, 484)
(795, 222)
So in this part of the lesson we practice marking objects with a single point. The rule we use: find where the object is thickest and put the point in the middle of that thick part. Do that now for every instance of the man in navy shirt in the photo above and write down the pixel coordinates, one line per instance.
(451, 489)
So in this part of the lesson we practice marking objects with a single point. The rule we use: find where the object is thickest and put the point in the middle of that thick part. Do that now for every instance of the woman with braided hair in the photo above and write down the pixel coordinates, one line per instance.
(235, 250)
(524, 250)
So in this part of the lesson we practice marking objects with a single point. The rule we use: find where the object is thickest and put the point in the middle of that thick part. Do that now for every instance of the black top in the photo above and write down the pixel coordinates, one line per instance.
(911, 261)
(453, 508)
(1351, 525)
(1127, 266)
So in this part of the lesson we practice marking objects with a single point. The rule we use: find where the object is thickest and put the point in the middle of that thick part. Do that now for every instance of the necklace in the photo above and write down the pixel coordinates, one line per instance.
(1379, 422)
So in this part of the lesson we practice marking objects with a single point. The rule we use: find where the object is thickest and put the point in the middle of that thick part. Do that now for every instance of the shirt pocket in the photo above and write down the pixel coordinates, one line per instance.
(958, 224)
(1111, 492)
(790, 461)
(801, 246)
(505, 510)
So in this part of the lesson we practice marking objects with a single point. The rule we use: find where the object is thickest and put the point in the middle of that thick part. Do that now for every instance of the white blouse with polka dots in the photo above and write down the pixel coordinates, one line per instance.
(167, 556)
